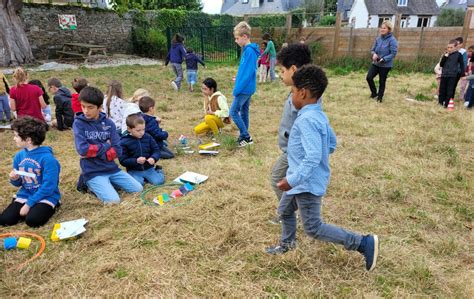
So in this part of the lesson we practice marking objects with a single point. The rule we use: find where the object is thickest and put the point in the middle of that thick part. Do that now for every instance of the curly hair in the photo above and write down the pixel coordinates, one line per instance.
(311, 78)
(295, 54)
(29, 127)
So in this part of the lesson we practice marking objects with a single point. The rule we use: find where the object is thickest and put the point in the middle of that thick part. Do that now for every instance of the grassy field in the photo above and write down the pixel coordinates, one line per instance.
(403, 170)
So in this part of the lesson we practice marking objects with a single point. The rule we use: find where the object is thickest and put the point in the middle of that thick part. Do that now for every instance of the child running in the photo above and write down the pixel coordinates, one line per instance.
(176, 55)
(192, 61)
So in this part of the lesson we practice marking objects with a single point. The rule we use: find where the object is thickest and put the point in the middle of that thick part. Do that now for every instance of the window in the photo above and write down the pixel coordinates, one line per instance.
(423, 22)
(402, 2)
(245, 1)
(270, 0)
(404, 22)
(383, 19)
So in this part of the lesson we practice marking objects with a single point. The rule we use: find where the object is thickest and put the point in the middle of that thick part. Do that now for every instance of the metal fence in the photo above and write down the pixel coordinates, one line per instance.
(214, 44)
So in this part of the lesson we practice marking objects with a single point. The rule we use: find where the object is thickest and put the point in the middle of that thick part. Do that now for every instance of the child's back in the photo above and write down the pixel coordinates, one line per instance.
(153, 128)
(192, 61)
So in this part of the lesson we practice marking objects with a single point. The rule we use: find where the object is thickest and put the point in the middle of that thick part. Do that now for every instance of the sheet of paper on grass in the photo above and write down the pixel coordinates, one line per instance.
(191, 177)
(71, 229)
(207, 152)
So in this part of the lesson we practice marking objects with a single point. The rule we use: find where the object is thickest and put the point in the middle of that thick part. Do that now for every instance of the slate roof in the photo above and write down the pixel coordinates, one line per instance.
(344, 6)
(276, 7)
(458, 4)
(390, 7)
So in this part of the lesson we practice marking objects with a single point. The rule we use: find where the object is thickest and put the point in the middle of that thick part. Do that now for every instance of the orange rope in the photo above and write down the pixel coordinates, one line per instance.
(37, 237)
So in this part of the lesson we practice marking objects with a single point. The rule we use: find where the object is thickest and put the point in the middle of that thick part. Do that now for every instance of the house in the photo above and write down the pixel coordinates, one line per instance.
(257, 7)
(415, 13)
(344, 7)
(457, 4)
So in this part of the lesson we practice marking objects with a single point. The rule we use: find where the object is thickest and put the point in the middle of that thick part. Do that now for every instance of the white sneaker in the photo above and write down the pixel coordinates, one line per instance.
(466, 103)
(174, 85)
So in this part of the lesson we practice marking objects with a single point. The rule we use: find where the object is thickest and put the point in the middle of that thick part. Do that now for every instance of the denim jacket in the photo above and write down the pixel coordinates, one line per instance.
(385, 47)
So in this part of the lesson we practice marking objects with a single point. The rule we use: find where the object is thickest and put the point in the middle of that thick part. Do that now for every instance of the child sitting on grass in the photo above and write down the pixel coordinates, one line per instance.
(47, 110)
(310, 143)
(114, 104)
(38, 197)
(98, 144)
(62, 101)
(216, 110)
(152, 127)
(140, 152)
(78, 84)
(131, 107)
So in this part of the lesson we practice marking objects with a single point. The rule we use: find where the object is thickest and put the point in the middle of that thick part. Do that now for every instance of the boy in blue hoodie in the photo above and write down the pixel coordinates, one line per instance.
(245, 82)
(310, 143)
(98, 144)
(152, 127)
(36, 172)
(140, 152)
(176, 55)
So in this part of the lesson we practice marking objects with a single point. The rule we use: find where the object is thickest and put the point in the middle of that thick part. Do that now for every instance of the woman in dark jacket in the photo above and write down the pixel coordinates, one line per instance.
(383, 52)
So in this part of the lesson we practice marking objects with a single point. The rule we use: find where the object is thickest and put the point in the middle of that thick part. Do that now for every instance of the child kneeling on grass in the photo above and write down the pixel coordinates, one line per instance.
(98, 144)
(311, 140)
(140, 152)
(216, 109)
(38, 197)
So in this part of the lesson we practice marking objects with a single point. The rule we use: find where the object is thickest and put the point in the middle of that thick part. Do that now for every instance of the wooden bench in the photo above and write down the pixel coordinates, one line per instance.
(86, 51)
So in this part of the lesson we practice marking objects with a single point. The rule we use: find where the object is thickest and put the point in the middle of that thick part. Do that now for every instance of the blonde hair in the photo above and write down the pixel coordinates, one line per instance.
(114, 89)
(387, 24)
(243, 28)
(20, 75)
(138, 94)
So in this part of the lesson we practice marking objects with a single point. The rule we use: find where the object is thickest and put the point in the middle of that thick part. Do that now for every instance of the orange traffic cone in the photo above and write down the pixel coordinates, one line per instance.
(451, 105)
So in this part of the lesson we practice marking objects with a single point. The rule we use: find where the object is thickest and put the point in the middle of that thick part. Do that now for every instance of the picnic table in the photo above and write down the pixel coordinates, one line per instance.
(85, 51)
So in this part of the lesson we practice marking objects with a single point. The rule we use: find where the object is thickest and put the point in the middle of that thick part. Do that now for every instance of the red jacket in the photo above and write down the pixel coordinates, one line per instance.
(76, 104)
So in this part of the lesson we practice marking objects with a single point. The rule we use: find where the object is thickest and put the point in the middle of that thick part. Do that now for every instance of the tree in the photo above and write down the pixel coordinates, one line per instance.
(450, 17)
(320, 6)
(124, 5)
(14, 46)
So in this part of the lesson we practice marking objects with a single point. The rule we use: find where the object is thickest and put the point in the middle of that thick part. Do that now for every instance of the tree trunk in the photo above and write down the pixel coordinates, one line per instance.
(14, 46)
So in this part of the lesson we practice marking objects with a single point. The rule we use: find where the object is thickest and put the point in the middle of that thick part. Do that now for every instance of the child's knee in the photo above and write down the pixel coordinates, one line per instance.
(33, 221)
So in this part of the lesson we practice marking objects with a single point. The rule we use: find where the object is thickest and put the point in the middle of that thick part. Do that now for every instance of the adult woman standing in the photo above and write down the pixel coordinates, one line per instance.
(26, 99)
(271, 52)
(383, 52)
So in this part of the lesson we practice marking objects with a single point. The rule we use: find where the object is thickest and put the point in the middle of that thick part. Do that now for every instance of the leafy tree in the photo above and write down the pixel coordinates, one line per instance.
(124, 5)
(450, 17)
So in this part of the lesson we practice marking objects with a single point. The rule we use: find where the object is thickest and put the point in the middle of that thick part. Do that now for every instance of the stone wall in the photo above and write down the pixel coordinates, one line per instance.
(94, 26)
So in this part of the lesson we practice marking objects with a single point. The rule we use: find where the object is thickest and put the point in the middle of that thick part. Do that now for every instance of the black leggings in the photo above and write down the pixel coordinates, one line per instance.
(383, 73)
(38, 215)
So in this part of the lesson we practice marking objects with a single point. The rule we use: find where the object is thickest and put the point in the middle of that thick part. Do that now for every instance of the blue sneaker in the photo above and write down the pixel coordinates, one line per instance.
(369, 247)
(281, 248)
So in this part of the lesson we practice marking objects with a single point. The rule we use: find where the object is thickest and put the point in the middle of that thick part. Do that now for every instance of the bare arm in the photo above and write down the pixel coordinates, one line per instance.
(12, 104)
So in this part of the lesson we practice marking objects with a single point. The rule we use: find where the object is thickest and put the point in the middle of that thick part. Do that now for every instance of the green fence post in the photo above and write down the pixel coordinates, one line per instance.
(202, 43)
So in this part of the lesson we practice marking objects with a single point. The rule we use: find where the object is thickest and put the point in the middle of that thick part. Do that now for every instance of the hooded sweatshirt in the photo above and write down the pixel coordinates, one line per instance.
(192, 61)
(152, 128)
(176, 54)
(44, 185)
(64, 113)
(133, 148)
(246, 80)
(98, 144)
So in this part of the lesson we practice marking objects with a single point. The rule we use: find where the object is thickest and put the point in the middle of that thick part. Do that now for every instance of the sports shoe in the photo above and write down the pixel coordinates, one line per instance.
(281, 248)
(373, 96)
(276, 220)
(174, 85)
(245, 141)
(369, 247)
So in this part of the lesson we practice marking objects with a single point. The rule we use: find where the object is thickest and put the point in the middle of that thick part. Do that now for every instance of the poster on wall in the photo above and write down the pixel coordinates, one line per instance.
(67, 22)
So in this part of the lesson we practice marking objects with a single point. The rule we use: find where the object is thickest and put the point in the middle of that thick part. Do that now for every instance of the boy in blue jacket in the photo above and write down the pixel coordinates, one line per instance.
(245, 82)
(192, 61)
(152, 127)
(140, 152)
(310, 143)
(98, 144)
(36, 172)
(176, 55)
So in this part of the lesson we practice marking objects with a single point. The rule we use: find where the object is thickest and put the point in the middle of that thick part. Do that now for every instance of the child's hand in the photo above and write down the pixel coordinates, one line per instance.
(14, 176)
(151, 161)
(283, 185)
(210, 112)
(24, 210)
(141, 160)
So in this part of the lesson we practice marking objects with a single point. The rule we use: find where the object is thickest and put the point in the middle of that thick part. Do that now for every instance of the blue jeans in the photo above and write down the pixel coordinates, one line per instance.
(310, 211)
(154, 177)
(178, 71)
(4, 106)
(192, 76)
(103, 186)
(272, 68)
(239, 112)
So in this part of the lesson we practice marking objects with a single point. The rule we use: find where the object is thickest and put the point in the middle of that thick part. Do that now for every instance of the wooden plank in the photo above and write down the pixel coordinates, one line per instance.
(72, 54)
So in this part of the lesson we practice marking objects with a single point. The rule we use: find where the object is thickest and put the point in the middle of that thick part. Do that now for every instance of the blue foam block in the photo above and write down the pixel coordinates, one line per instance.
(188, 187)
(9, 243)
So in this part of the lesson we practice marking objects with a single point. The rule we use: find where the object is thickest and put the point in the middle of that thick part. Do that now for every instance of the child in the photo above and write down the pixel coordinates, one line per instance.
(452, 64)
(290, 59)
(192, 61)
(245, 82)
(176, 55)
(132, 107)
(460, 49)
(310, 143)
(98, 145)
(46, 111)
(113, 103)
(36, 172)
(263, 63)
(216, 110)
(26, 99)
(4, 100)
(78, 84)
(62, 101)
(152, 127)
(140, 152)
(271, 52)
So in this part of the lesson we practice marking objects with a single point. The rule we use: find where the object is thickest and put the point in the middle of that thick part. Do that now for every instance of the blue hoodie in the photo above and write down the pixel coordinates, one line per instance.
(246, 80)
(152, 128)
(385, 47)
(133, 148)
(98, 144)
(176, 54)
(45, 185)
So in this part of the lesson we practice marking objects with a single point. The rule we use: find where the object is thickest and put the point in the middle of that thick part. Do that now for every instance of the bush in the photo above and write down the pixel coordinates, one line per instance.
(328, 21)
(450, 18)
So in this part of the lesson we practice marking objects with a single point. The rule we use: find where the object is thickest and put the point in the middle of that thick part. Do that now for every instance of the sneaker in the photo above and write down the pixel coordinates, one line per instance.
(379, 99)
(174, 85)
(281, 248)
(466, 103)
(373, 96)
(275, 220)
(245, 141)
(369, 247)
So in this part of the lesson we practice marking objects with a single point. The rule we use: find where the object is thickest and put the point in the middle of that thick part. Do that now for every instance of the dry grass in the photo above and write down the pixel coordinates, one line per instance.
(402, 170)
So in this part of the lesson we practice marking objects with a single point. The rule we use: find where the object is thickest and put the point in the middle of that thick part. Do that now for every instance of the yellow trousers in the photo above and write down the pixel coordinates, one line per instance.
(211, 123)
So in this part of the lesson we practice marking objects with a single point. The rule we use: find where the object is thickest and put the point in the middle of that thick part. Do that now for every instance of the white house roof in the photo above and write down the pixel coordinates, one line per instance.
(390, 7)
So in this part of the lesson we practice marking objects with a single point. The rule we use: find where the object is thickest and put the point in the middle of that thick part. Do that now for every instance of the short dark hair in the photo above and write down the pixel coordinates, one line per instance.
(79, 83)
(266, 36)
(210, 83)
(295, 54)
(312, 78)
(453, 42)
(178, 38)
(91, 95)
(145, 103)
(134, 119)
(54, 82)
(459, 39)
(29, 127)
(40, 85)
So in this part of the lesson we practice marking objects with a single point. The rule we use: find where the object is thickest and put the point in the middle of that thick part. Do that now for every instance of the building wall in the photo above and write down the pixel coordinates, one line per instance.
(360, 14)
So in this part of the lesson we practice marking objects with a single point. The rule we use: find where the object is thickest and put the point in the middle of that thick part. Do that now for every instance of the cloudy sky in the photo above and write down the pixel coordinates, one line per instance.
(212, 6)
